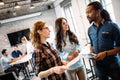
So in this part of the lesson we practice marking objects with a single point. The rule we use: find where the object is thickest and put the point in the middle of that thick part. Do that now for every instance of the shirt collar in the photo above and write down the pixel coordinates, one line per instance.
(102, 22)
(46, 45)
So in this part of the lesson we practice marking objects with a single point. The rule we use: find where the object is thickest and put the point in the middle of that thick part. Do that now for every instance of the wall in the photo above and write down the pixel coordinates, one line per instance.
(46, 16)
(116, 7)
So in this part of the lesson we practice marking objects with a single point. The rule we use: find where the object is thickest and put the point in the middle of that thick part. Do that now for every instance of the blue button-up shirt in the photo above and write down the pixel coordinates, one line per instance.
(16, 54)
(105, 37)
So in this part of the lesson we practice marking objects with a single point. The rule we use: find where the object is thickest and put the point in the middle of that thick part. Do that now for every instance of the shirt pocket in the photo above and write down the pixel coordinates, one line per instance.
(105, 35)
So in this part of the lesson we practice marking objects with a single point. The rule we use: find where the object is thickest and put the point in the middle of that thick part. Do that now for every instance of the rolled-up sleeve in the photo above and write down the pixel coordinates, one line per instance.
(78, 47)
(116, 34)
(63, 55)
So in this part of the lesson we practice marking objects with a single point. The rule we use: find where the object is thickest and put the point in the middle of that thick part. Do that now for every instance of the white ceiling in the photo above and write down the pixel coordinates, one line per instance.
(8, 11)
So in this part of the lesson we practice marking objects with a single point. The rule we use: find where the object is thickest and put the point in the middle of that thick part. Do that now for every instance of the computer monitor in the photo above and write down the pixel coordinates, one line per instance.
(15, 37)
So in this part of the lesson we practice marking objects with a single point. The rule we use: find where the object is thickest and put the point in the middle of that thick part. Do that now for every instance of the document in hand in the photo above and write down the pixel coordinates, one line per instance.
(35, 78)
(89, 55)
(72, 62)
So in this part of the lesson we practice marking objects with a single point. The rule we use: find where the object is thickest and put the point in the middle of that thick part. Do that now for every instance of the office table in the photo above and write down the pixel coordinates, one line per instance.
(23, 62)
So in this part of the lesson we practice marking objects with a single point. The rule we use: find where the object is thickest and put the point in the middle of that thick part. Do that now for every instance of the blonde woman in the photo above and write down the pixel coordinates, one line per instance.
(49, 65)
(29, 49)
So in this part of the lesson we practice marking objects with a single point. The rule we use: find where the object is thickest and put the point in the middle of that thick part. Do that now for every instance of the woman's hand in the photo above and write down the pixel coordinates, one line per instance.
(70, 57)
(73, 55)
(64, 63)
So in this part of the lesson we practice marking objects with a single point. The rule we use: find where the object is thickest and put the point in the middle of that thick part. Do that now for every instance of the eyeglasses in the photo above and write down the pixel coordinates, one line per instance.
(46, 28)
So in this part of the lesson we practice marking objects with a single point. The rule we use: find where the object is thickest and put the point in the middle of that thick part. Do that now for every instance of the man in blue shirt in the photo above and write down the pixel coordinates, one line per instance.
(16, 53)
(105, 42)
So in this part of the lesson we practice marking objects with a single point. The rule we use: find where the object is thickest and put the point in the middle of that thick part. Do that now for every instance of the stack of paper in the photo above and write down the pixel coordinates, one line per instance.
(72, 62)
(89, 55)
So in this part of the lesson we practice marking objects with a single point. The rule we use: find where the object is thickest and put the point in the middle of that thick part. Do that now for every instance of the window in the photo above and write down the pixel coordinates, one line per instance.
(68, 10)
(107, 4)
(69, 16)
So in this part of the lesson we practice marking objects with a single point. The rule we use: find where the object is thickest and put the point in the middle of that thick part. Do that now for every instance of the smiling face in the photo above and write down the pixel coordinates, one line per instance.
(6, 53)
(92, 14)
(15, 48)
(44, 32)
(24, 40)
(65, 26)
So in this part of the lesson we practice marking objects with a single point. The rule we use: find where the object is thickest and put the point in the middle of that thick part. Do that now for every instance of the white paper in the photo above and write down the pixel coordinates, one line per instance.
(89, 55)
(72, 62)
(35, 78)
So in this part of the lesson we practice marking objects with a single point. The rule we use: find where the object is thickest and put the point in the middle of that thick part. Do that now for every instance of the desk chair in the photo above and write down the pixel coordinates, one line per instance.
(8, 76)
(91, 70)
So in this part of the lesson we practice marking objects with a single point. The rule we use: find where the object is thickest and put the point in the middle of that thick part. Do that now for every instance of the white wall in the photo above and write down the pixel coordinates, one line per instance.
(116, 7)
(47, 16)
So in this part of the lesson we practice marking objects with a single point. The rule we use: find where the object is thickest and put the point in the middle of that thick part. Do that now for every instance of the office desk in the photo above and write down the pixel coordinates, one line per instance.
(23, 62)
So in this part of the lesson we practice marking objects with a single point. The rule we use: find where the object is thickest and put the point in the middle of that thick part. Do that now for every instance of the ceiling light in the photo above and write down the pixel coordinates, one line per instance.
(32, 6)
(52, 0)
(1, 2)
(16, 5)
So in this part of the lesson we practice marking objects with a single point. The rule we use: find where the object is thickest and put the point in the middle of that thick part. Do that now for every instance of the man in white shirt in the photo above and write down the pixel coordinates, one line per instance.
(6, 59)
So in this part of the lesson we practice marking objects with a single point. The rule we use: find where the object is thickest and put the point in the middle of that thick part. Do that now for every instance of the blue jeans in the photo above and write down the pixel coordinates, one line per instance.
(108, 69)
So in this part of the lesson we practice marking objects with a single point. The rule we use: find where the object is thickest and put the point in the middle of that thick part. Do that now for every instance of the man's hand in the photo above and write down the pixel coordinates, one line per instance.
(100, 55)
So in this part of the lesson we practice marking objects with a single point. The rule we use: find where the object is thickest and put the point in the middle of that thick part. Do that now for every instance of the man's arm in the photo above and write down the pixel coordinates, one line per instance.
(106, 53)
(91, 49)
(112, 51)
(14, 59)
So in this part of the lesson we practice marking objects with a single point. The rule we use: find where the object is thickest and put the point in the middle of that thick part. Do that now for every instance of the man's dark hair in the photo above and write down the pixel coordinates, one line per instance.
(104, 13)
(97, 5)
(15, 45)
(3, 51)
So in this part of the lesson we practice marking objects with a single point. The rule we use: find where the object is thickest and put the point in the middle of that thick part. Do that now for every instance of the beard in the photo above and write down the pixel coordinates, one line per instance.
(90, 20)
